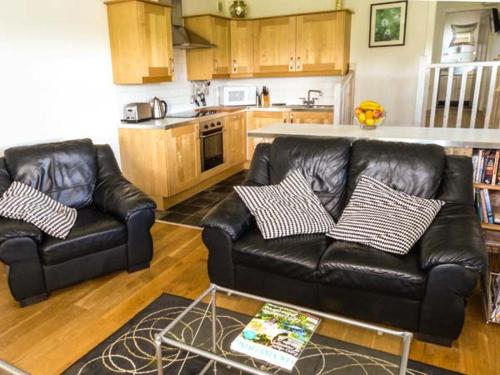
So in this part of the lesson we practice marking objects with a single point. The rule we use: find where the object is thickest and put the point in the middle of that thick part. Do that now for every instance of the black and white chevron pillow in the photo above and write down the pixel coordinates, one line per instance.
(286, 209)
(22, 202)
(383, 218)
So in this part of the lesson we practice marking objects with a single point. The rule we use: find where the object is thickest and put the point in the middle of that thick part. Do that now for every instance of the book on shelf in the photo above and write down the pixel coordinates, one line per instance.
(489, 209)
(276, 335)
(485, 207)
(486, 164)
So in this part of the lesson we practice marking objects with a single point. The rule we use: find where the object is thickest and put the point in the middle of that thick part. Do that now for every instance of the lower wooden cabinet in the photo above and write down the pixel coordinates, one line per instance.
(183, 155)
(166, 164)
(261, 119)
(235, 139)
(310, 117)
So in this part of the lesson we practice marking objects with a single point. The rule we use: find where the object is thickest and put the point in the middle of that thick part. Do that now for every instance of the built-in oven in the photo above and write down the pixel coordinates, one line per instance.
(211, 144)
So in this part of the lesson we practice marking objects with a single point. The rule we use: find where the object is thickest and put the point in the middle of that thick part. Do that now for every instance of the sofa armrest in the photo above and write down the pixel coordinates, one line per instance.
(121, 199)
(231, 216)
(113, 193)
(454, 237)
(11, 229)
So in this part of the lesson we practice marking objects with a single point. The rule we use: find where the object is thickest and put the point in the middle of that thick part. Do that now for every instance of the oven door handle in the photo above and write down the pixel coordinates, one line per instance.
(211, 135)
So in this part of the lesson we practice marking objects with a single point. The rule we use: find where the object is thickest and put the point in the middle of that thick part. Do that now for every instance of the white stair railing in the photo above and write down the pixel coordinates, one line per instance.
(456, 85)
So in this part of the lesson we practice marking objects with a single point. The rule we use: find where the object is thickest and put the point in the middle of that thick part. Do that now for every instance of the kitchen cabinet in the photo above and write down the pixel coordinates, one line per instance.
(308, 44)
(261, 119)
(241, 48)
(310, 117)
(235, 139)
(140, 35)
(209, 63)
(286, 46)
(323, 42)
(274, 45)
(183, 155)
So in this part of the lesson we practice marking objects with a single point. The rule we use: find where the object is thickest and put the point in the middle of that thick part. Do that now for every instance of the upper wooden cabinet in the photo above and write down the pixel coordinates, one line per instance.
(209, 63)
(274, 45)
(241, 48)
(298, 45)
(323, 43)
(141, 41)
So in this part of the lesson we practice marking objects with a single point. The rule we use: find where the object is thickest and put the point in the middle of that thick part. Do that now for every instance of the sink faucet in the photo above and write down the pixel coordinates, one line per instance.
(310, 102)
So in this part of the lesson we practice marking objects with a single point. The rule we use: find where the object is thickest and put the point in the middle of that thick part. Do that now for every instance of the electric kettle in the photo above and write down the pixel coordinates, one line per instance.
(158, 108)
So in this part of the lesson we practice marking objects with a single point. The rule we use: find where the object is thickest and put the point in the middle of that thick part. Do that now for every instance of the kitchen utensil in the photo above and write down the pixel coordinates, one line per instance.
(158, 108)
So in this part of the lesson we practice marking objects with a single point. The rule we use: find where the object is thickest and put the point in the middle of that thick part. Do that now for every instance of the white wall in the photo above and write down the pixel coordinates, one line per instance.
(56, 77)
(389, 75)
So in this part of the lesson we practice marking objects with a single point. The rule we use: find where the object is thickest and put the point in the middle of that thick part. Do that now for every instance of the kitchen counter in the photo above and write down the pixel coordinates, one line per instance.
(174, 122)
(446, 137)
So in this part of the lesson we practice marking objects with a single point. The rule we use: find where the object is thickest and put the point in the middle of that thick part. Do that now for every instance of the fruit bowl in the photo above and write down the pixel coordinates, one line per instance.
(369, 115)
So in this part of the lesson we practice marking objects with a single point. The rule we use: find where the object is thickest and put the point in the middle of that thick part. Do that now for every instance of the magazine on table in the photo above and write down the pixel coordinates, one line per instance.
(276, 335)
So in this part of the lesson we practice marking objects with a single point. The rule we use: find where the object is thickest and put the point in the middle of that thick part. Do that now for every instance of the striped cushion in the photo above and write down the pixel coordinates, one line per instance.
(383, 218)
(22, 202)
(286, 209)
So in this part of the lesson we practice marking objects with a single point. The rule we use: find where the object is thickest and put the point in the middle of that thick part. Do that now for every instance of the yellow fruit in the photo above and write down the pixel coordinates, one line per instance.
(369, 114)
(361, 118)
(369, 105)
(377, 121)
(370, 122)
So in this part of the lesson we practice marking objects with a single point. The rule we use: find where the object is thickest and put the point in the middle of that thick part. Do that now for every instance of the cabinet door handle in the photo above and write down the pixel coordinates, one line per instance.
(291, 118)
(299, 63)
(291, 67)
(235, 69)
(172, 65)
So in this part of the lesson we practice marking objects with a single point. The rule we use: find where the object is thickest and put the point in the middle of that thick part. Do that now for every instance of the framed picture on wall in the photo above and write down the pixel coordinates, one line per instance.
(388, 24)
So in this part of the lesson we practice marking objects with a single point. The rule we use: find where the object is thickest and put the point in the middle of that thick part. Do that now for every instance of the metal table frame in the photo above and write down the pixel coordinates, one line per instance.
(214, 358)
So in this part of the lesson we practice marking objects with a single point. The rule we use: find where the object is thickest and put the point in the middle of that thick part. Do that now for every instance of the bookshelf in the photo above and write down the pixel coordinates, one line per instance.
(487, 189)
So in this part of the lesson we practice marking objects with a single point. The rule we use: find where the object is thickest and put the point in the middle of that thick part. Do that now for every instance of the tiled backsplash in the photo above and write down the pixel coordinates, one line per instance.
(178, 93)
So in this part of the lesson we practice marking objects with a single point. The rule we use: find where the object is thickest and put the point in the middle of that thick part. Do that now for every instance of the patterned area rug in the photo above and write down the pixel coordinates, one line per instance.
(131, 349)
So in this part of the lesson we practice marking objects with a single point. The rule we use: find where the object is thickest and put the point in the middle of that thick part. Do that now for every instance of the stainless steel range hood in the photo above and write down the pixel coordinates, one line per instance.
(182, 37)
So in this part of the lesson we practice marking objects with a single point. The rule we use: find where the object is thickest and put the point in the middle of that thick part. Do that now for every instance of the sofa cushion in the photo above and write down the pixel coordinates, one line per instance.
(415, 169)
(22, 202)
(93, 231)
(360, 267)
(295, 256)
(65, 171)
(383, 218)
(324, 164)
(287, 209)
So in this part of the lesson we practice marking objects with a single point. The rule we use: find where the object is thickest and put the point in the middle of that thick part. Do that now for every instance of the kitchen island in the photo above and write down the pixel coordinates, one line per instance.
(446, 137)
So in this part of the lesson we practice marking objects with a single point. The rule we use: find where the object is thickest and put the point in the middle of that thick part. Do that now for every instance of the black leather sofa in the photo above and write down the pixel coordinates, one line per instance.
(424, 291)
(112, 230)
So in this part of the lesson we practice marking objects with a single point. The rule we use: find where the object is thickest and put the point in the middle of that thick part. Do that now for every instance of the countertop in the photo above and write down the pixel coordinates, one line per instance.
(173, 122)
(446, 137)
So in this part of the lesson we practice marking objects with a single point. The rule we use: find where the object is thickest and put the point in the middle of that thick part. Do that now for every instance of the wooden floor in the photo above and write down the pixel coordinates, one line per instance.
(46, 338)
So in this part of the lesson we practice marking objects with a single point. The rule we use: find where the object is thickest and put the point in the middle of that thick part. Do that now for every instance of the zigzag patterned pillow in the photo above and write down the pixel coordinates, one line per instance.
(383, 218)
(22, 202)
(286, 209)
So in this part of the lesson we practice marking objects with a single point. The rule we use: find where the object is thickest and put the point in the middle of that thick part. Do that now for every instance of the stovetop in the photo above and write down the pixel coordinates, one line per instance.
(193, 114)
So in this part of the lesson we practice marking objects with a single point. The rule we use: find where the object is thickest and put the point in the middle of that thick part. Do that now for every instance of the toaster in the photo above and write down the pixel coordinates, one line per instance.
(137, 112)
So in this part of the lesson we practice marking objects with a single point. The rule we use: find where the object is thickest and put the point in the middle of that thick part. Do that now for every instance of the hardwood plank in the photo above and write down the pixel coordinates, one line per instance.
(46, 338)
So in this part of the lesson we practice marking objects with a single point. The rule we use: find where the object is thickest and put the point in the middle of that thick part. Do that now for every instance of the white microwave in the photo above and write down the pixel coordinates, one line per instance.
(237, 95)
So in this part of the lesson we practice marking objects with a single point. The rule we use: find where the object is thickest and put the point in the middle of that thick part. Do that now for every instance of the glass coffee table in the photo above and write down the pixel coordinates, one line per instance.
(201, 330)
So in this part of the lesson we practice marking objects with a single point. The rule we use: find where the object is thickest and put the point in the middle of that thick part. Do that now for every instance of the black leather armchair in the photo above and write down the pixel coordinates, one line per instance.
(112, 230)
(424, 291)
